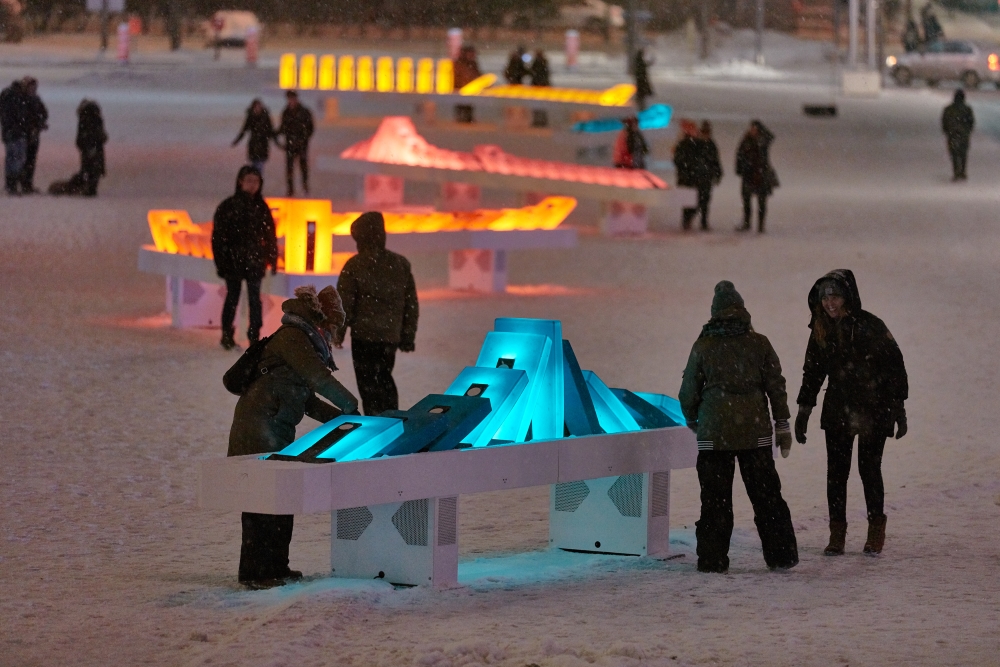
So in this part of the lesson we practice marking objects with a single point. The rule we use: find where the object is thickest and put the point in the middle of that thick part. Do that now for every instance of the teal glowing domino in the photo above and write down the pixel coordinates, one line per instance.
(502, 386)
(346, 438)
(547, 406)
(611, 412)
(520, 351)
(655, 117)
(669, 406)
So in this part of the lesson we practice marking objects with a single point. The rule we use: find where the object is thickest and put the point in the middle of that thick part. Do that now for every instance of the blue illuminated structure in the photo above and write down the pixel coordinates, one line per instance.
(502, 386)
(346, 438)
(656, 117)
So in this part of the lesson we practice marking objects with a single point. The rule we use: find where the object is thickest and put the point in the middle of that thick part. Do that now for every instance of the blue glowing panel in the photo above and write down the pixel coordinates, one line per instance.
(580, 414)
(655, 117)
(502, 386)
(611, 412)
(524, 352)
(665, 404)
(437, 423)
(645, 413)
(547, 418)
(346, 438)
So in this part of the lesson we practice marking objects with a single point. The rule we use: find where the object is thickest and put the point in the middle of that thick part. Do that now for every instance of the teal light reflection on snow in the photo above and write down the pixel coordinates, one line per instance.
(502, 386)
(655, 117)
(665, 404)
(529, 353)
(547, 406)
(612, 414)
(368, 439)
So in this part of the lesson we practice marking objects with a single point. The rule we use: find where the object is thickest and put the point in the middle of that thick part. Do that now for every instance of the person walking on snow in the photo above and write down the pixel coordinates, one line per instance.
(13, 112)
(380, 299)
(258, 124)
(539, 70)
(708, 170)
(957, 123)
(244, 244)
(643, 87)
(630, 148)
(731, 375)
(90, 139)
(297, 128)
(516, 70)
(300, 370)
(36, 121)
(854, 350)
(753, 166)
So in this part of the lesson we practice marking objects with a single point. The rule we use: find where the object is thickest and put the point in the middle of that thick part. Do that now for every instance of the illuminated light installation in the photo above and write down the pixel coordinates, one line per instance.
(384, 75)
(425, 76)
(395, 507)
(405, 75)
(288, 76)
(345, 73)
(397, 142)
(478, 85)
(307, 72)
(327, 73)
(656, 117)
(366, 74)
(444, 83)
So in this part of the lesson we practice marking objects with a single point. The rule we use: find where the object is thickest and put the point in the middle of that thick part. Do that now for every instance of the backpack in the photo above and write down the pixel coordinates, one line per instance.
(247, 368)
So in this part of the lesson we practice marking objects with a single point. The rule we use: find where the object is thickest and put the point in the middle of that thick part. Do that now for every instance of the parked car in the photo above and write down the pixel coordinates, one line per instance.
(949, 60)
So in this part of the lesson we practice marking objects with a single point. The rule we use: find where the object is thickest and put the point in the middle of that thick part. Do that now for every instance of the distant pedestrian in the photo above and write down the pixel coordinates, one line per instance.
(957, 123)
(244, 244)
(708, 172)
(630, 148)
(911, 36)
(539, 70)
(261, 130)
(36, 121)
(866, 389)
(297, 128)
(731, 376)
(686, 165)
(380, 299)
(643, 87)
(466, 71)
(516, 69)
(933, 32)
(90, 139)
(300, 370)
(13, 126)
(753, 166)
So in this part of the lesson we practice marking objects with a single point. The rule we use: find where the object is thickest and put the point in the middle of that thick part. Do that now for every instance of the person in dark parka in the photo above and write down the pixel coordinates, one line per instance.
(686, 154)
(731, 375)
(297, 128)
(643, 87)
(36, 121)
(753, 165)
(90, 140)
(516, 70)
(244, 244)
(854, 350)
(380, 299)
(957, 123)
(300, 370)
(261, 130)
(539, 70)
(13, 112)
(708, 170)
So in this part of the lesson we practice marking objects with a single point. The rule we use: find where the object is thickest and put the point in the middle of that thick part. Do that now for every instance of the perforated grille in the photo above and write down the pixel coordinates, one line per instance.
(569, 495)
(411, 522)
(447, 527)
(352, 521)
(626, 494)
(660, 492)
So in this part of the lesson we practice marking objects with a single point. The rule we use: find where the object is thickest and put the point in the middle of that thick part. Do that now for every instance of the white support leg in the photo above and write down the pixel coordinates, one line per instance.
(478, 270)
(625, 219)
(379, 192)
(608, 515)
(658, 513)
(193, 303)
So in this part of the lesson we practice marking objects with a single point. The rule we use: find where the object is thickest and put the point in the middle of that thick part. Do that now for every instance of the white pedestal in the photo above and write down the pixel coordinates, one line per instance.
(478, 270)
(379, 191)
(460, 197)
(192, 303)
(626, 514)
(516, 118)
(625, 219)
(412, 543)
(861, 84)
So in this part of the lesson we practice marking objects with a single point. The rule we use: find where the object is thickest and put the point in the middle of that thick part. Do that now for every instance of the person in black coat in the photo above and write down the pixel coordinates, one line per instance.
(643, 88)
(13, 101)
(36, 121)
(539, 70)
(244, 245)
(90, 140)
(867, 387)
(258, 124)
(957, 123)
(753, 165)
(686, 154)
(297, 128)
(516, 70)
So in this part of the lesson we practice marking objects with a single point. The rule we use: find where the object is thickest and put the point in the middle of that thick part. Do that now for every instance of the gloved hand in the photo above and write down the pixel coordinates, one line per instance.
(784, 441)
(407, 346)
(899, 419)
(802, 423)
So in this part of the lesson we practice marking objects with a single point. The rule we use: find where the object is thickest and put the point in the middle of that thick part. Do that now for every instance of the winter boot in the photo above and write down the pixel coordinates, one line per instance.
(838, 536)
(876, 536)
(262, 584)
(228, 342)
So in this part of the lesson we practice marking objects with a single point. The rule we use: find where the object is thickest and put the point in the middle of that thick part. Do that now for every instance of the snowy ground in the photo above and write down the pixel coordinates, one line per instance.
(106, 559)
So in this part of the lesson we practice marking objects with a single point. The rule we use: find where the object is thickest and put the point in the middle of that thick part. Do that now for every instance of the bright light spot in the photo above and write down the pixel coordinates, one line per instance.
(891, 61)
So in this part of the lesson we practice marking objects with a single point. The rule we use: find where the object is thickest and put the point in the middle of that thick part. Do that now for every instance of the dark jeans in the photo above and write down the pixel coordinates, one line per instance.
(704, 199)
(264, 552)
(715, 527)
(748, 194)
(14, 162)
(373, 363)
(303, 160)
(233, 286)
(959, 157)
(30, 160)
(839, 449)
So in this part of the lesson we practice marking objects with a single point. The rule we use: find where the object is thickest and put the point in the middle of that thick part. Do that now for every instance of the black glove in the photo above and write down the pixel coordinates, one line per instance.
(899, 419)
(802, 423)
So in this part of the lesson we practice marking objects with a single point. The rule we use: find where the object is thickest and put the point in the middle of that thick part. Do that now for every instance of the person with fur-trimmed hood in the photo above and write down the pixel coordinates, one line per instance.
(867, 387)
(300, 369)
(380, 299)
(731, 376)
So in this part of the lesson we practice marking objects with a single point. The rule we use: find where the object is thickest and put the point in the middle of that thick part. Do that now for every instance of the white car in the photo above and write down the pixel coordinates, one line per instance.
(949, 60)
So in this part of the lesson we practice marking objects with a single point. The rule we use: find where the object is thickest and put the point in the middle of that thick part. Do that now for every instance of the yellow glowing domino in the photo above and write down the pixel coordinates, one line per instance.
(327, 73)
(345, 73)
(307, 72)
(478, 85)
(287, 71)
(384, 75)
(425, 76)
(404, 75)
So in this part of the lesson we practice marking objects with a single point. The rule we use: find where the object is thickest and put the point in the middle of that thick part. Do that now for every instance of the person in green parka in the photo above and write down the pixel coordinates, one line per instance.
(731, 376)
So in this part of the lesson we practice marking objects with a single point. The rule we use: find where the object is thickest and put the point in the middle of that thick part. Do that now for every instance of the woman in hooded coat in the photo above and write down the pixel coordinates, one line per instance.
(90, 140)
(258, 124)
(864, 399)
(244, 244)
(753, 165)
(300, 369)
(731, 376)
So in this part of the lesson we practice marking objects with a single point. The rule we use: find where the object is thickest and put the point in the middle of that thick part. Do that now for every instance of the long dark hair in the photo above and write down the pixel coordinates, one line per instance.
(823, 324)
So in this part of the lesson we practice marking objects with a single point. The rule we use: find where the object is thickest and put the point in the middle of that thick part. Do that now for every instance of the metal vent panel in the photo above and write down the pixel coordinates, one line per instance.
(626, 494)
(353, 521)
(659, 483)
(411, 522)
(569, 495)
(447, 526)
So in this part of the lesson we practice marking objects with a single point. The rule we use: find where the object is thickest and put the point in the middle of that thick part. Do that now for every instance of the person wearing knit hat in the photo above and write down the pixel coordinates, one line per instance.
(731, 375)
(381, 310)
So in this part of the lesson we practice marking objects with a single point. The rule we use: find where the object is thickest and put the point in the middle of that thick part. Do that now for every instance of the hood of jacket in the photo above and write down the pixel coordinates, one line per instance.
(368, 232)
(844, 278)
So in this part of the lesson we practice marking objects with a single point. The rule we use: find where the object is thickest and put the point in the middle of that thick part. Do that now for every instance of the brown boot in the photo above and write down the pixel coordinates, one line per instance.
(838, 536)
(876, 536)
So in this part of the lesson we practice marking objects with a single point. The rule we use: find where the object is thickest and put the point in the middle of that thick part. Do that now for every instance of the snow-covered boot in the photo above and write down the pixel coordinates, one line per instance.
(228, 342)
(876, 536)
(838, 536)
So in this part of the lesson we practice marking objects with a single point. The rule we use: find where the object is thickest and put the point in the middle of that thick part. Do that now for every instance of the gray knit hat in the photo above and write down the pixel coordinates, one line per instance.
(725, 297)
